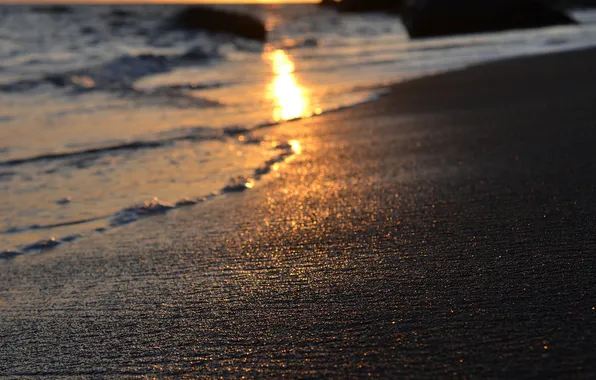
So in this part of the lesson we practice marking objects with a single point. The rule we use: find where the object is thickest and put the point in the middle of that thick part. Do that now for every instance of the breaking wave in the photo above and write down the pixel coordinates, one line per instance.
(118, 75)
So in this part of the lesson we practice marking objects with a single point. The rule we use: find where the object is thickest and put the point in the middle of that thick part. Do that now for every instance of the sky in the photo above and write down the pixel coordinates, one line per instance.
(161, 1)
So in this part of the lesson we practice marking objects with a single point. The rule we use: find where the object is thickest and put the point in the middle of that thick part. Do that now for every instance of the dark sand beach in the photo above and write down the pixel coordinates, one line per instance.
(445, 230)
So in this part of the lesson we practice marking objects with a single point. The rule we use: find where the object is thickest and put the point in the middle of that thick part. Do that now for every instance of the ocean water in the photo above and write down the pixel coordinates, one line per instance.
(107, 116)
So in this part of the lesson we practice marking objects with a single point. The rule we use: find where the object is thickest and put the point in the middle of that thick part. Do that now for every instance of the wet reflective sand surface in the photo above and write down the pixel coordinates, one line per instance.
(103, 111)
(435, 233)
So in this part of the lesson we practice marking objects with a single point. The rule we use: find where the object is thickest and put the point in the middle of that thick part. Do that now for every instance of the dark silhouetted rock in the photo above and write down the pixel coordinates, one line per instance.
(328, 3)
(431, 18)
(572, 3)
(215, 20)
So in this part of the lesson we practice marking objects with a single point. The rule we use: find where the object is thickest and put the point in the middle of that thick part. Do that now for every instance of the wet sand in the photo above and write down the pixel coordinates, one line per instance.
(446, 230)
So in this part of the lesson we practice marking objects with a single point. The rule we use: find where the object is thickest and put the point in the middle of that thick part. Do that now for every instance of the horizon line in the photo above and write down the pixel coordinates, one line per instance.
(157, 2)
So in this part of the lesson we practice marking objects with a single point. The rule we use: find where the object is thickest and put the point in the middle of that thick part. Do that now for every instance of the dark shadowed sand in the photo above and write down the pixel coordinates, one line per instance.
(445, 230)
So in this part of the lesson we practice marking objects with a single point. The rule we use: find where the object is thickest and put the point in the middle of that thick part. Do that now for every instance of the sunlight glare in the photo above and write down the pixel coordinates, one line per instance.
(296, 146)
(290, 99)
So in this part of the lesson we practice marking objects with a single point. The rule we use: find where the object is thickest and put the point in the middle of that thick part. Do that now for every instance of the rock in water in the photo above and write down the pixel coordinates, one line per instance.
(431, 18)
(220, 21)
(328, 3)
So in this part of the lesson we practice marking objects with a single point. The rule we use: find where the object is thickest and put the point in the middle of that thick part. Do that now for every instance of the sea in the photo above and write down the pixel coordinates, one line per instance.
(108, 115)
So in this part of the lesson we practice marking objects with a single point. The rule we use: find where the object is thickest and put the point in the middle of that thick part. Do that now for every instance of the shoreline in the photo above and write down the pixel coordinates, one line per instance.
(377, 92)
(443, 230)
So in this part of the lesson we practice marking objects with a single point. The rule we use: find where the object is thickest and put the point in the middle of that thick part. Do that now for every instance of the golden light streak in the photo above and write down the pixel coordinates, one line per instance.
(290, 99)
(296, 147)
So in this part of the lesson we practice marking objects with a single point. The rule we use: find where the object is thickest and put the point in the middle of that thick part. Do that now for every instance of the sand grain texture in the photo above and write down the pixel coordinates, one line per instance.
(445, 230)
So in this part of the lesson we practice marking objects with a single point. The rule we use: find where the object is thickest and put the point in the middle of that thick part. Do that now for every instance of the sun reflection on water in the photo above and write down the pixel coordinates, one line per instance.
(290, 99)
(296, 146)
